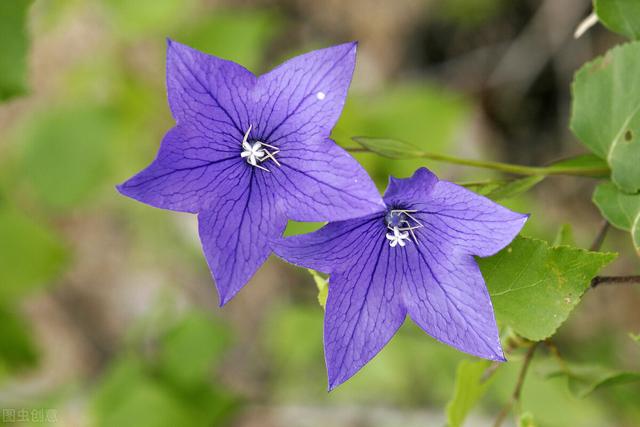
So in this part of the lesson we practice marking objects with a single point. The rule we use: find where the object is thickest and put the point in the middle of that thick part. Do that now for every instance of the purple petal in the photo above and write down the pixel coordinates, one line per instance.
(447, 297)
(236, 232)
(468, 221)
(187, 173)
(319, 181)
(304, 96)
(210, 93)
(455, 218)
(333, 247)
(364, 309)
(402, 190)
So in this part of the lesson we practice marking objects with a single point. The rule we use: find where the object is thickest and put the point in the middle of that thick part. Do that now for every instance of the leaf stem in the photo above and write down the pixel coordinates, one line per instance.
(615, 280)
(517, 391)
(505, 167)
(602, 233)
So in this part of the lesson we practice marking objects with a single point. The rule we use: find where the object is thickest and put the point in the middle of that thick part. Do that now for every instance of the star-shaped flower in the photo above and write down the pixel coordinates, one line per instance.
(378, 279)
(248, 153)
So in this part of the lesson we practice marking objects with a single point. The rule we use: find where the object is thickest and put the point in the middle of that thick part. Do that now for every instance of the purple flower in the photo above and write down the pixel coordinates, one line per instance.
(413, 257)
(248, 153)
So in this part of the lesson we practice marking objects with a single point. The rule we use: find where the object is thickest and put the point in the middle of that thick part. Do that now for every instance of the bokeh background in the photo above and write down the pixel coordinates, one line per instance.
(108, 315)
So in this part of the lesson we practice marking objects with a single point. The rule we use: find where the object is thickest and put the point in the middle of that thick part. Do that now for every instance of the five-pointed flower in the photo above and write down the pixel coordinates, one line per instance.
(377, 279)
(247, 153)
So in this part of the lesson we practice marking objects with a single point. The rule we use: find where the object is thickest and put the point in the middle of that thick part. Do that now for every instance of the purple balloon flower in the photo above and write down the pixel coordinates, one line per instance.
(413, 257)
(248, 153)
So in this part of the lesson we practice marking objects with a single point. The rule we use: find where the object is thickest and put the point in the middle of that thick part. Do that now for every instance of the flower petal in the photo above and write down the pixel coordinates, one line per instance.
(447, 297)
(331, 248)
(468, 221)
(187, 173)
(210, 93)
(364, 310)
(319, 181)
(236, 232)
(304, 96)
(454, 217)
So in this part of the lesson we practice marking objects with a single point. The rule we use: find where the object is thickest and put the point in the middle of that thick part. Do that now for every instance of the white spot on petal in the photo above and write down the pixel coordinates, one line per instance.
(321, 95)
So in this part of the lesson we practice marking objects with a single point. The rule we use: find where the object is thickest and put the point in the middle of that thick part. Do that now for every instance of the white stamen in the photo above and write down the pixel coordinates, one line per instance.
(257, 153)
(321, 95)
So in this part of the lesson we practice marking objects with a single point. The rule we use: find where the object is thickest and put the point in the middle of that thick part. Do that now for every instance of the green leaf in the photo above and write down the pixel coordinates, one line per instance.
(468, 390)
(620, 16)
(564, 236)
(534, 286)
(585, 379)
(390, 148)
(323, 287)
(635, 337)
(13, 54)
(620, 209)
(190, 350)
(67, 155)
(606, 112)
(514, 188)
(30, 254)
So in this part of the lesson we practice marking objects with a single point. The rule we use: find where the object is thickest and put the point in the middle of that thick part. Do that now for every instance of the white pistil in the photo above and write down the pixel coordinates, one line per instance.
(258, 152)
(397, 238)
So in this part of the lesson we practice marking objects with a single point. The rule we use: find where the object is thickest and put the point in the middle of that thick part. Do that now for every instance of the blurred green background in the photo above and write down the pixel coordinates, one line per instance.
(108, 316)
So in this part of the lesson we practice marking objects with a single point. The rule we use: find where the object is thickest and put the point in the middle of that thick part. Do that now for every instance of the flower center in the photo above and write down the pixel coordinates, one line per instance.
(258, 152)
(401, 222)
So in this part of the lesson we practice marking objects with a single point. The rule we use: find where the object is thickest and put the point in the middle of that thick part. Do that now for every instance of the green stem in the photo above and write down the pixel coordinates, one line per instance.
(507, 167)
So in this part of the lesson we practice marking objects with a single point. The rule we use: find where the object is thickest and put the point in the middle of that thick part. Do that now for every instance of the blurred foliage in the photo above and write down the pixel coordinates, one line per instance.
(170, 384)
(471, 385)
(13, 55)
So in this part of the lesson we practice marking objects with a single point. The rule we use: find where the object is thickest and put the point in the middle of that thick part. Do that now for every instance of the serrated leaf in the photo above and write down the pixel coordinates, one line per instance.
(534, 286)
(13, 55)
(620, 209)
(390, 148)
(620, 16)
(585, 379)
(323, 287)
(606, 112)
(564, 236)
(30, 254)
(468, 390)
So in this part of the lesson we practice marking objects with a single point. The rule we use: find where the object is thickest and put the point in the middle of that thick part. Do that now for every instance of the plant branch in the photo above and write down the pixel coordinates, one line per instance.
(517, 391)
(505, 167)
(615, 280)
(602, 233)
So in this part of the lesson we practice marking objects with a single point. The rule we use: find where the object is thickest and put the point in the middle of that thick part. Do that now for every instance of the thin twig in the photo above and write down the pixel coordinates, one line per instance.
(597, 242)
(615, 280)
(511, 168)
(517, 391)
